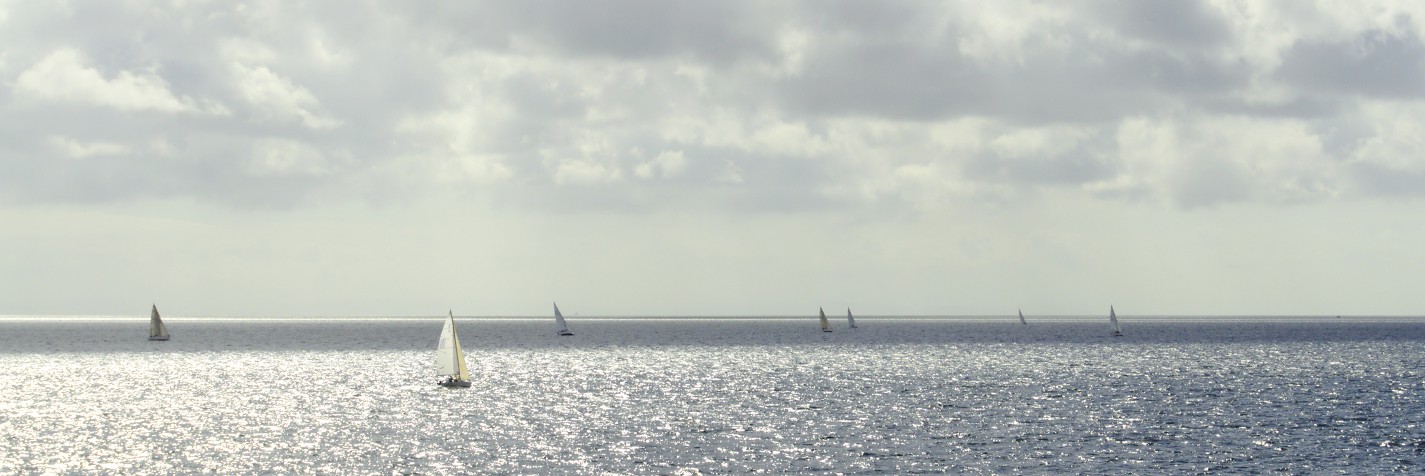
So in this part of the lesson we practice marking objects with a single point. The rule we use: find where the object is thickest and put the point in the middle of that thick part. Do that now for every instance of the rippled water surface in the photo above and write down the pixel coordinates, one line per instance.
(715, 395)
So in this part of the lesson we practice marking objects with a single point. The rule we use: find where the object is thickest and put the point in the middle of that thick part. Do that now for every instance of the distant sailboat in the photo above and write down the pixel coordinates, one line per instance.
(449, 361)
(825, 324)
(559, 321)
(1113, 321)
(156, 329)
(1021, 318)
(850, 321)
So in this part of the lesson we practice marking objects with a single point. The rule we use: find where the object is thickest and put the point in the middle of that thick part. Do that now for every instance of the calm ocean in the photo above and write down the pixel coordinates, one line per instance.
(715, 395)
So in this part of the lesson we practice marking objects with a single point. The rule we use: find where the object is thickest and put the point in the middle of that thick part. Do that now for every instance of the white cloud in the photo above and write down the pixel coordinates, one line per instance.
(666, 164)
(1039, 141)
(65, 75)
(730, 173)
(327, 52)
(1198, 162)
(280, 98)
(1396, 139)
(76, 149)
(465, 169)
(1004, 31)
(283, 157)
(584, 172)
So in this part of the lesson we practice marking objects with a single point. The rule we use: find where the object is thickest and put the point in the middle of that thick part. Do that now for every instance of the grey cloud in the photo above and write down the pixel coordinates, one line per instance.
(1388, 182)
(1179, 24)
(916, 82)
(1372, 64)
(720, 32)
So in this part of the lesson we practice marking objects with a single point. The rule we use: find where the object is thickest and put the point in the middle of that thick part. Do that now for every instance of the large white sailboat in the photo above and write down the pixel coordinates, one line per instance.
(449, 360)
(156, 329)
(825, 324)
(850, 321)
(1021, 318)
(1113, 321)
(559, 322)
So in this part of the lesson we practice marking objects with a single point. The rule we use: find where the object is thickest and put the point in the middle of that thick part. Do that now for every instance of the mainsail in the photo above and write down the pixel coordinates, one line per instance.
(559, 322)
(850, 321)
(1021, 317)
(156, 329)
(825, 324)
(449, 360)
(1113, 321)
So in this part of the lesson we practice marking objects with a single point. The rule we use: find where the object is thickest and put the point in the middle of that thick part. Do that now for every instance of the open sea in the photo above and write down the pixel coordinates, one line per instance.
(980, 395)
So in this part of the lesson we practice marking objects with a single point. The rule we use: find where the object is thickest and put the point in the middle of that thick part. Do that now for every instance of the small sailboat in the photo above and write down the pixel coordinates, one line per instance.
(1021, 318)
(1113, 321)
(559, 322)
(449, 360)
(825, 324)
(850, 321)
(156, 329)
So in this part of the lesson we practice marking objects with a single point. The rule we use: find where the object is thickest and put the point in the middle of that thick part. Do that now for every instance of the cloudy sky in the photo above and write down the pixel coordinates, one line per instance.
(652, 157)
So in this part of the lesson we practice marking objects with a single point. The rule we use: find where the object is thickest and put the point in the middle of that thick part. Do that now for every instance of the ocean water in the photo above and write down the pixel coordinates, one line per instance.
(715, 395)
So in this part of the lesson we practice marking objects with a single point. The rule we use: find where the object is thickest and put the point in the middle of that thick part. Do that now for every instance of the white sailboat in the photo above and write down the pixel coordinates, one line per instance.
(156, 329)
(449, 360)
(850, 321)
(825, 324)
(559, 321)
(1021, 318)
(1113, 321)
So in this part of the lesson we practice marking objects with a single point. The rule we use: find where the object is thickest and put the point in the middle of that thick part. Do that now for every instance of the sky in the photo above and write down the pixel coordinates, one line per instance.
(656, 157)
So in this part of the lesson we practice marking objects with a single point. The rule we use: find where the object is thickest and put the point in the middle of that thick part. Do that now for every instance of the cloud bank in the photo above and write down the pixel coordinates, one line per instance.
(651, 104)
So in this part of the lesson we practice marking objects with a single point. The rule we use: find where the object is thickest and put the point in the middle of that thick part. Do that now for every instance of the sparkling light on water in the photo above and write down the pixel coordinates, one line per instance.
(723, 395)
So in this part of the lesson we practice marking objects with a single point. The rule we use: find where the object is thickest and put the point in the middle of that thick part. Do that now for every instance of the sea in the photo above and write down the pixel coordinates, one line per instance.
(705, 395)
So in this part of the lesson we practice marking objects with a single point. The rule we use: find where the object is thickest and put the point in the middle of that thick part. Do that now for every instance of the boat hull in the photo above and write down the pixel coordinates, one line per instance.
(566, 333)
(455, 384)
(157, 338)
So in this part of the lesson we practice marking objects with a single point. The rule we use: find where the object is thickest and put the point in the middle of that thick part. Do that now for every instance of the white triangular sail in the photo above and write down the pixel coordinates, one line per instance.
(559, 322)
(449, 360)
(1021, 318)
(156, 329)
(825, 324)
(850, 321)
(1113, 321)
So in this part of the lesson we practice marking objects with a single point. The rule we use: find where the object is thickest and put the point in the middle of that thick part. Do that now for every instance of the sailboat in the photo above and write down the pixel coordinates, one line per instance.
(156, 329)
(1021, 318)
(1113, 321)
(825, 324)
(449, 361)
(850, 321)
(559, 321)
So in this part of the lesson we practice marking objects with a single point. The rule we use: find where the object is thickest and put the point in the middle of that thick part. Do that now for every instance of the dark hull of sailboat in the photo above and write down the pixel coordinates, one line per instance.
(455, 384)
(566, 333)
(158, 338)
